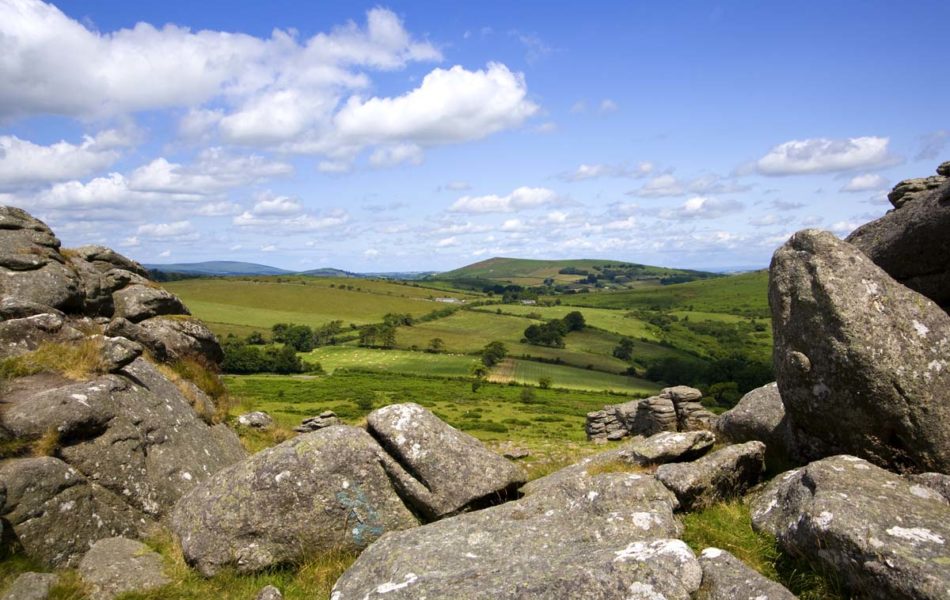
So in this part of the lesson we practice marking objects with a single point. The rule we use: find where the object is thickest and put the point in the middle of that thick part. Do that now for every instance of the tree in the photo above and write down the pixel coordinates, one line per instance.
(256, 338)
(436, 346)
(368, 335)
(479, 374)
(286, 361)
(548, 334)
(493, 353)
(624, 349)
(544, 382)
(387, 336)
(574, 321)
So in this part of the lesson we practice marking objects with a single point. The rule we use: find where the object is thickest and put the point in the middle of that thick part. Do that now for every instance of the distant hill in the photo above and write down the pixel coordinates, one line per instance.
(528, 272)
(218, 267)
(328, 272)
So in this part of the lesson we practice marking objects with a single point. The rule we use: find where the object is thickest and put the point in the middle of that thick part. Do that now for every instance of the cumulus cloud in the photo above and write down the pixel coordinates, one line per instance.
(390, 156)
(823, 155)
(866, 183)
(669, 185)
(23, 162)
(447, 242)
(177, 230)
(522, 198)
(596, 170)
(702, 207)
(289, 223)
(276, 205)
(661, 185)
(213, 172)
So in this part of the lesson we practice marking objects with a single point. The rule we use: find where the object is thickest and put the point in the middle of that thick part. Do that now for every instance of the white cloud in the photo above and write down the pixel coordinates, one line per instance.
(268, 248)
(176, 230)
(371, 253)
(661, 185)
(520, 199)
(823, 155)
(217, 209)
(702, 207)
(165, 253)
(276, 205)
(214, 171)
(608, 106)
(447, 242)
(333, 166)
(390, 156)
(546, 127)
(932, 144)
(514, 225)
(766, 220)
(23, 162)
(843, 228)
(284, 224)
(785, 205)
(557, 217)
(669, 185)
(592, 171)
(866, 183)
(451, 105)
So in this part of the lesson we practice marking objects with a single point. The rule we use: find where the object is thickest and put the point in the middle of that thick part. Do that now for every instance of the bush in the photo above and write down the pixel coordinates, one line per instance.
(544, 382)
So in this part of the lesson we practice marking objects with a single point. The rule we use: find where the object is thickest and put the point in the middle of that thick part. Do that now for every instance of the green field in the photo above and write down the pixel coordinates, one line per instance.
(745, 295)
(494, 412)
(243, 304)
(332, 358)
(606, 319)
(465, 332)
(532, 372)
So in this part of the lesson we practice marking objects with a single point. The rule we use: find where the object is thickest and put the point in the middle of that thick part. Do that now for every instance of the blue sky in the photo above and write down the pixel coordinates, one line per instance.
(418, 136)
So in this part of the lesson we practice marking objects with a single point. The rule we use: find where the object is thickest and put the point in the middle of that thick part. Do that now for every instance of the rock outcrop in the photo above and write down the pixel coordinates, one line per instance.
(725, 577)
(886, 537)
(673, 409)
(114, 566)
(325, 490)
(609, 536)
(325, 419)
(760, 415)
(860, 360)
(440, 470)
(724, 474)
(911, 243)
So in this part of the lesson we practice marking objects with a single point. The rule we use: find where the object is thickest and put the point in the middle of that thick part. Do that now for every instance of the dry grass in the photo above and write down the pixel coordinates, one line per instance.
(255, 440)
(204, 376)
(619, 466)
(47, 444)
(79, 361)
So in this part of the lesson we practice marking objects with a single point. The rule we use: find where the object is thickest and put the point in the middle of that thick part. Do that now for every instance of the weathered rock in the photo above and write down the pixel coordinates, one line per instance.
(860, 360)
(56, 513)
(18, 308)
(256, 420)
(606, 537)
(319, 491)
(325, 419)
(725, 577)
(634, 455)
(118, 565)
(885, 537)
(120, 327)
(611, 422)
(105, 259)
(911, 243)
(681, 393)
(760, 415)
(269, 592)
(726, 473)
(31, 586)
(32, 271)
(693, 416)
(117, 352)
(133, 432)
(183, 337)
(143, 300)
(912, 189)
(515, 453)
(938, 482)
(22, 335)
(654, 415)
(441, 470)
(98, 281)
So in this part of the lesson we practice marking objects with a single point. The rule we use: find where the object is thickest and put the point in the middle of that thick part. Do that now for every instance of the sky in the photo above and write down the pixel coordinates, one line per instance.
(412, 136)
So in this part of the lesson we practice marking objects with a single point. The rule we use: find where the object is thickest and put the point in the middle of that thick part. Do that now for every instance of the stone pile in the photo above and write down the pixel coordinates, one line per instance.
(674, 409)
(325, 419)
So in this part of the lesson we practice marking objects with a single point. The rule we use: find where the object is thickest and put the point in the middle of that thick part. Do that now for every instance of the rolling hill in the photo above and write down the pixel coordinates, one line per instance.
(218, 268)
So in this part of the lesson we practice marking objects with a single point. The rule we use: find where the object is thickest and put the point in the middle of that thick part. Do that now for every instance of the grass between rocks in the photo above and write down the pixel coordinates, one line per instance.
(74, 360)
(728, 526)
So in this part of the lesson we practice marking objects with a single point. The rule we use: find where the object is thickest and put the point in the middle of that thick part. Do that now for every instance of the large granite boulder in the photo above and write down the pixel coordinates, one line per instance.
(760, 415)
(32, 270)
(725, 577)
(726, 473)
(654, 414)
(26, 334)
(608, 537)
(141, 299)
(133, 432)
(182, 336)
(114, 566)
(860, 360)
(57, 514)
(326, 490)
(911, 242)
(886, 537)
(440, 470)
(638, 454)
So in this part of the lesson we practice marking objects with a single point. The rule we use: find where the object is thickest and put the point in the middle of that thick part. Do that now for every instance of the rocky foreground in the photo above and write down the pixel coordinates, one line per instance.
(861, 403)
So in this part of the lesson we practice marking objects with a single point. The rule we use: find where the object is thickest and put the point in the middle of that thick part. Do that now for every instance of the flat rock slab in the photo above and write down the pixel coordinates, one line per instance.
(31, 586)
(325, 490)
(861, 361)
(57, 514)
(635, 454)
(726, 473)
(725, 577)
(608, 538)
(885, 536)
(117, 565)
(443, 470)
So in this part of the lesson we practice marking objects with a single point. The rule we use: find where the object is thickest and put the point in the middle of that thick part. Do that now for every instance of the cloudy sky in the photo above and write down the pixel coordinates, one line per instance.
(417, 136)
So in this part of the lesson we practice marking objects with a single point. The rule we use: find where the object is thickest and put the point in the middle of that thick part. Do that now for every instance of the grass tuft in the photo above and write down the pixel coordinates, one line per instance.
(619, 466)
(47, 444)
(78, 361)
(204, 376)
(728, 525)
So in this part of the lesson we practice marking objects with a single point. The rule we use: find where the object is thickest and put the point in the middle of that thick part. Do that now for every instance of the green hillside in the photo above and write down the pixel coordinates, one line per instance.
(529, 272)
